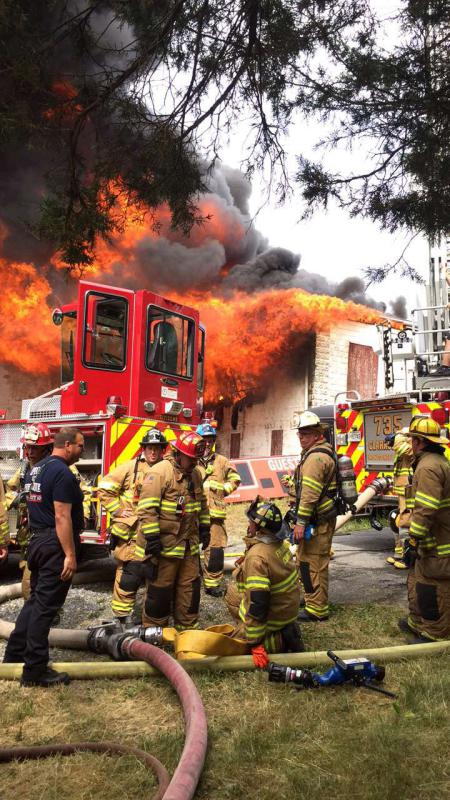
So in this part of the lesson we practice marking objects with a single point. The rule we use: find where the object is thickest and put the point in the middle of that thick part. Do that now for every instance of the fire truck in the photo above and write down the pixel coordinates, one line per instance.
(130, 361)
(416, 380)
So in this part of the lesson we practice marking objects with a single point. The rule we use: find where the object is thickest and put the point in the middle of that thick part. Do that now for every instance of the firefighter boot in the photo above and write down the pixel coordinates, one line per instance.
(46, 679)
(215, 591)
(292, 638)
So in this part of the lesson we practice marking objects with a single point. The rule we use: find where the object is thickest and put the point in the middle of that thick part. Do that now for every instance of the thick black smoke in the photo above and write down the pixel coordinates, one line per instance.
(225, 254)
(229, 254)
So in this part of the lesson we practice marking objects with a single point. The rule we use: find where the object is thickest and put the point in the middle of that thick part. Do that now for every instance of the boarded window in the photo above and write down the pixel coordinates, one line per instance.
(362, 370)
(235, 445)
(276, 443)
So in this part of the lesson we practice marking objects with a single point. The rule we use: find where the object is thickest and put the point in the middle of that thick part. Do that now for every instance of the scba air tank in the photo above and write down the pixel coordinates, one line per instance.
(347, 480)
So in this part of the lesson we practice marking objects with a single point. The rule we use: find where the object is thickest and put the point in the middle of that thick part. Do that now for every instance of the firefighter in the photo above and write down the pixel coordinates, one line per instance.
(315, 508)
(428, 498)
(265, 596)
(119, 493)
(37, 440)
(219, 480)
(174, 518)
(402, 469)
(4, 526)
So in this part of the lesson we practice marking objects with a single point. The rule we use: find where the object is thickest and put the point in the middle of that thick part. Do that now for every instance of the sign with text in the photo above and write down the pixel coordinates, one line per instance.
(377, 425)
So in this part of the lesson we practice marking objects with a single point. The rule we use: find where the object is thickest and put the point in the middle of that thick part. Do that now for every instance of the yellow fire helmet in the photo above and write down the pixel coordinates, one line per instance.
(427, 428)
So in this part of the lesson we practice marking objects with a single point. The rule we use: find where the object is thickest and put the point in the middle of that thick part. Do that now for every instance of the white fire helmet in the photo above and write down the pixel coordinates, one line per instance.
(308, 420)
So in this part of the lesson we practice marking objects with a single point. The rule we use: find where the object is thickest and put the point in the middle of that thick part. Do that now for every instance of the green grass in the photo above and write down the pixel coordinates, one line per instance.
(265, 740)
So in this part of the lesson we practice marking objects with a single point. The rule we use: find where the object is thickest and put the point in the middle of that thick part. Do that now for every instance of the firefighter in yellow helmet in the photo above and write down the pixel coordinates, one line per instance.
(119, 493)
(4, 526)
(315, 508)
(265, 596)
(402, 470)
(37, 441)
(428, 549)
(174, 521)
(219, 480)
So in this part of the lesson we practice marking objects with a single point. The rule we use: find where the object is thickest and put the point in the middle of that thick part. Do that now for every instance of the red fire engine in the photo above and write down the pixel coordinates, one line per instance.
(417, 381)
(130, 361)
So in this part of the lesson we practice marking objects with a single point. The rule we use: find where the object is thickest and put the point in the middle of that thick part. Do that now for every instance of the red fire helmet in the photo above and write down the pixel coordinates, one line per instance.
(190, 443)
(38, 435)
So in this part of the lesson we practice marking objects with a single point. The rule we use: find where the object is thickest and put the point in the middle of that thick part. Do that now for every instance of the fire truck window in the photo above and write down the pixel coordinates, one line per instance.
(105, 330)
(170, 344)
(201, 362)
(68, 333)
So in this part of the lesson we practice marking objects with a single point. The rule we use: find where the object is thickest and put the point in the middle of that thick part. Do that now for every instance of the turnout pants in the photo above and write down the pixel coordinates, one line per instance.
(233, 600)
(274, 642)
(214, 555)
(175, 590)
(26, 580)
(129, 577)
(428, 586)
(313, 558)
(29, 639)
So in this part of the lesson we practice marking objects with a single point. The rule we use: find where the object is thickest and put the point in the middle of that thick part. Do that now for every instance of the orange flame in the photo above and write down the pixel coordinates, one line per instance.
(248, 336)
(27, 335)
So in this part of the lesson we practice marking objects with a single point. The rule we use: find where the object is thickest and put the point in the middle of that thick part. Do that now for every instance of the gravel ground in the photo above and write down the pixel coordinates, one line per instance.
(358, 573)
(89, 605)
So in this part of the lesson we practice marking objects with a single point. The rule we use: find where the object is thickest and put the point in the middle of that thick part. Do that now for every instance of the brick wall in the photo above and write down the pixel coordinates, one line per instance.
(322, 374)
(16, 386)
(329, 373)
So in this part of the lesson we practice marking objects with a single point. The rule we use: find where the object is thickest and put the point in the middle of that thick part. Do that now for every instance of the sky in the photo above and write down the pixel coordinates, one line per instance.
(331, 242)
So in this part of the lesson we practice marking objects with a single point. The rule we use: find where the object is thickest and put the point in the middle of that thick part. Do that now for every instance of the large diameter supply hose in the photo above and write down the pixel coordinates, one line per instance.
(13, 591)
(112, 748)
(187, 774)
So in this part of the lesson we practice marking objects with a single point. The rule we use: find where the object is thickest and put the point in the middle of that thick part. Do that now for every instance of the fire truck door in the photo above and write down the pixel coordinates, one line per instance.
(104, 346)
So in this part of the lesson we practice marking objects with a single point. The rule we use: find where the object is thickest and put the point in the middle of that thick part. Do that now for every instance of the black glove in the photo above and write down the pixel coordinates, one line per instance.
(19, 498)
(113, 542)
(204, 535)
(153, 546)
(409, 552)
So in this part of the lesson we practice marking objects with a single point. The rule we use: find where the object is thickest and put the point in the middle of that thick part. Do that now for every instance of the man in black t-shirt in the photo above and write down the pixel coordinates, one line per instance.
(55, 509)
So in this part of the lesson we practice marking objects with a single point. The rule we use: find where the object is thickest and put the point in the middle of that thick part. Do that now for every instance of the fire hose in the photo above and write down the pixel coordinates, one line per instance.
(187, 774)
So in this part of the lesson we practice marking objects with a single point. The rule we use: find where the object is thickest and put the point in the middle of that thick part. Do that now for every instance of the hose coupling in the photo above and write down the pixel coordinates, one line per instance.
(97, 640)
(116, 645)
(152, 635)
(381, 484)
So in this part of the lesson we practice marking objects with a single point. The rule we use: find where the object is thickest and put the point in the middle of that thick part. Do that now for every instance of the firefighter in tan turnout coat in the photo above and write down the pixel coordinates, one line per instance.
(174, 521)
(265, 596)
(428, 499)
(315, 484)
(402, 470)
(119, 493)
(219, 480)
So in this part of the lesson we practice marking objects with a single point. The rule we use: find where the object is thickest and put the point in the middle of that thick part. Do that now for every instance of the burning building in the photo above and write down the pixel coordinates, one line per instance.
(324, 364)
(278, 338)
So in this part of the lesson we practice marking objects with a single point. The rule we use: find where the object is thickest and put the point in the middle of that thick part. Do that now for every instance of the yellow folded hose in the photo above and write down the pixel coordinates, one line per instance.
(214, 641)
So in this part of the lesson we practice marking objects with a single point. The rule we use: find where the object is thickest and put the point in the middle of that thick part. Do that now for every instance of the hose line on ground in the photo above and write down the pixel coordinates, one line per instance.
(88, 670)
(187, 774)
(112, 748)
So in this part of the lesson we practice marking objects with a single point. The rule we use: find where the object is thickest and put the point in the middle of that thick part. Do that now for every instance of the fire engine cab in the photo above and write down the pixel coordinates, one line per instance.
(130, 361)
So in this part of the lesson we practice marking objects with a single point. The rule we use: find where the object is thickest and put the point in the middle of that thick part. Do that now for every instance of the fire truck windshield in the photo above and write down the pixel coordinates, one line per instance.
(170, 343)
(104, 331)
(68, 332)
